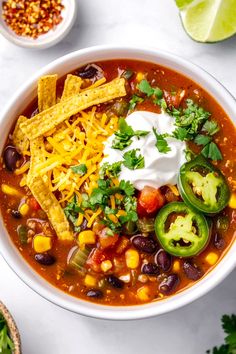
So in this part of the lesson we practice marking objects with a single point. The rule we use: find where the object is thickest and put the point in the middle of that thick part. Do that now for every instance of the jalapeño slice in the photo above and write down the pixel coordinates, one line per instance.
(180, 230)
(202, 186)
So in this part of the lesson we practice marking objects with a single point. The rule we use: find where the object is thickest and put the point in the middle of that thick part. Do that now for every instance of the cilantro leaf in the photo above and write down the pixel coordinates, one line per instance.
(202, 139)
(110, 170)
(132, 160)
(134, 101)
(146, 88)
(211, 127)
(212, 151)
(123, 137)
(79, 169)
(180, 133)
(191, 119)
(127, 187)
(161, 143)
(72, 211)
(229, 326)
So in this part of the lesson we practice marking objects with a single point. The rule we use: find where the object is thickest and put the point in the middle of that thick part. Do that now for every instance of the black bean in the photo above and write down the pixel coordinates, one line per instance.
(88, 72)
(83, 226)
(169, 284)
(192, 271)
(218, 241)
(10, 157)
(150, 269)
(45, 258)
(144, 244)
(95, 293)
(16, 214)
(163, 260)
(115, 282)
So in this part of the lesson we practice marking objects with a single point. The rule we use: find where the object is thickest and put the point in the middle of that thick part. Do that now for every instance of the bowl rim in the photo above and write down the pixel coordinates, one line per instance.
(50, 39)
(53, 294)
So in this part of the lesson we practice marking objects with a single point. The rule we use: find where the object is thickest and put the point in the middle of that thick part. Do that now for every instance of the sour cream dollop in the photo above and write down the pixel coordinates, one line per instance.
(160, 169)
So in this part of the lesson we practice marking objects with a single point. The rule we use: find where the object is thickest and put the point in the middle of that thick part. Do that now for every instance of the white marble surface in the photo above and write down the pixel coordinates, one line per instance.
(48, 329)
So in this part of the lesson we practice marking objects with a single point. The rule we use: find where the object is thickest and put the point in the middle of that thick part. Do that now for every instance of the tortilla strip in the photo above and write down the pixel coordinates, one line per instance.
(18, 137)
(47, 92)
(52, 208)
(72, 86)
(47, 120)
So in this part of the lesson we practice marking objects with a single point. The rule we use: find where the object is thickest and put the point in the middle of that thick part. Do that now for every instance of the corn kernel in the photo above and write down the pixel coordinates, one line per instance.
(132, 258)
(24, 209)
(232, 201)
(176, 266)
(106, 265)
(211, 258)
(143, 293)
(10, 191)
(89, 280)
(87, 237)
(140, 76)
(42, 243)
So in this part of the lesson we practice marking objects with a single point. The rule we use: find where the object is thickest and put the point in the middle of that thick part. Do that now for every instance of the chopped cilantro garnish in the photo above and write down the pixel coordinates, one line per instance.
(123, 137)
(72, 211)
(191, 122)
(110, 170)
(191, 119)
(211, 151)
(161, 143)
(145, 87)
(180, 133)
(202, 139)
(211, 127)
(148, 90)
(79, 169)
(127, 187)
(229, 326)
(134, 101)
(132, 160)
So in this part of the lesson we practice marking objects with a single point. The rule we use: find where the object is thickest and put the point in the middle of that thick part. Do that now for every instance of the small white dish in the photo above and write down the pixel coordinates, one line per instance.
(46, 40)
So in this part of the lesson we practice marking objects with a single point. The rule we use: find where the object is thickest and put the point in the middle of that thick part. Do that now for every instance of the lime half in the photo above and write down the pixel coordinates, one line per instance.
(208, 20)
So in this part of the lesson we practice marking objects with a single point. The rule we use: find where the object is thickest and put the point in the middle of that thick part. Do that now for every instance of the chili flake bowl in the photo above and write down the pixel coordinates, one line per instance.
(48, 39)
(15, 107)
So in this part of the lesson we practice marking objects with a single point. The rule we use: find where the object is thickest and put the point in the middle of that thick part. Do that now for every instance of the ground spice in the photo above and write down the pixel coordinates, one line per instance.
(32, 18)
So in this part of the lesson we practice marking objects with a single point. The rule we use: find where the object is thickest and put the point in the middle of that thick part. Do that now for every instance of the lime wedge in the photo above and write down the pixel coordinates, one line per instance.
(208, 20)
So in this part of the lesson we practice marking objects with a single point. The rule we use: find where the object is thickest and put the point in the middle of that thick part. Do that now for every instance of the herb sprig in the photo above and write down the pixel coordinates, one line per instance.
(123, 137)
(229, 326)
(132, 160)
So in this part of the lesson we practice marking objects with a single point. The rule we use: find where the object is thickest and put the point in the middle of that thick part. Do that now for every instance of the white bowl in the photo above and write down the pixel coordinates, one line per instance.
(21, 99)
(46, 40)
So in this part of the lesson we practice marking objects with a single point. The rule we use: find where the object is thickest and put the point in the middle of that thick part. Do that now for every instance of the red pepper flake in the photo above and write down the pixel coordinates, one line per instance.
(32, 18)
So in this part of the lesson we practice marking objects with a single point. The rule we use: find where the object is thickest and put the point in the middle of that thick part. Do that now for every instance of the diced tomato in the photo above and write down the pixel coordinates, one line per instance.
(106, 239)
(95, 259)
(33, 204)
(149, 201)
